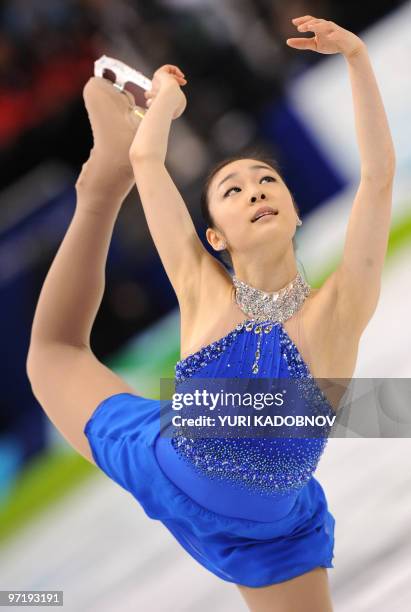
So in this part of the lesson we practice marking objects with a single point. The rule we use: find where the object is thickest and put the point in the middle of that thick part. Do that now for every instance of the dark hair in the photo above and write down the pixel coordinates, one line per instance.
(256, 154)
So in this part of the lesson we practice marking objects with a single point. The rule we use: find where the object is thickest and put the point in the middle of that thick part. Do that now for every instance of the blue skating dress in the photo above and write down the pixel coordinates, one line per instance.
(250, 512)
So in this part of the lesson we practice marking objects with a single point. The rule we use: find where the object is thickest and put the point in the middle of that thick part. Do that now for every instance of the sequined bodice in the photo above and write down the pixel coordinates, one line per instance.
(268, 465)
(237, 354)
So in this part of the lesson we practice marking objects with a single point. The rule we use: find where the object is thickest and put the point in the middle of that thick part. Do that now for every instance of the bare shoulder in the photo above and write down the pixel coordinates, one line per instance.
(205, 301)
(333, 345)
(212, 282)
(327, 312)
(322, 305)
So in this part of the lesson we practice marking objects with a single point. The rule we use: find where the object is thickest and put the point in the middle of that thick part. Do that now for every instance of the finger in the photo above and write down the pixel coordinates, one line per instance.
(302, 43)
(180, 80)
(174, 69)
(178, 71)
(312, 26)
(298, 20)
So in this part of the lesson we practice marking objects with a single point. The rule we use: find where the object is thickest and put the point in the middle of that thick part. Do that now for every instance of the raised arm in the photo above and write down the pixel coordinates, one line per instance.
(368, 228)
(360, 271)
(171, 227)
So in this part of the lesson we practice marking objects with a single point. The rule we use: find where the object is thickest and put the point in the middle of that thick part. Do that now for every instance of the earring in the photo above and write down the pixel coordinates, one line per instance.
(222, 247)
(299, 222)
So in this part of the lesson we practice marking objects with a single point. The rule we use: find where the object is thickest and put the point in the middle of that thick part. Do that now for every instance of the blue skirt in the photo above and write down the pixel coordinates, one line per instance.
(122, 433)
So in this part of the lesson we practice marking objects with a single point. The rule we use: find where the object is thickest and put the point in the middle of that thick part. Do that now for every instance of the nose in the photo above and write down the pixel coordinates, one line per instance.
(254, 198)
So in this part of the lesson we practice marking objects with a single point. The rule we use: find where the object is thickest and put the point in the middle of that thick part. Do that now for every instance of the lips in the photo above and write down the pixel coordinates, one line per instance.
(262, 211)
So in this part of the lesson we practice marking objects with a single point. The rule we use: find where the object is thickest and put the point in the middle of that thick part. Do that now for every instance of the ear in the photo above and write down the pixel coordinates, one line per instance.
(214, 239)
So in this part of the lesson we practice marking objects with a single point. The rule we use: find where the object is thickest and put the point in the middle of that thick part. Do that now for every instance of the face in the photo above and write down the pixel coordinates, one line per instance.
(236, 193)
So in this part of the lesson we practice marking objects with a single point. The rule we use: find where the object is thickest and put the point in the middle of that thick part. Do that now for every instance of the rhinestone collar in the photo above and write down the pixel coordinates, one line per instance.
(276, 306)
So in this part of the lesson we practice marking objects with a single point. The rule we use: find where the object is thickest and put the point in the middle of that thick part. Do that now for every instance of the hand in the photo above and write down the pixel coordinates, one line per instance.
(329, 37)
(168, 78)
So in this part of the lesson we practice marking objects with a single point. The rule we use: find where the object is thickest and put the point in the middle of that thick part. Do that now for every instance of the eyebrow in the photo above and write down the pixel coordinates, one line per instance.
(235, 173)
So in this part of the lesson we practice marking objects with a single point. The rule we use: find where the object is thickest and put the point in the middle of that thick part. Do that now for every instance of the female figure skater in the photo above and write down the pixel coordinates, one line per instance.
(271, 534)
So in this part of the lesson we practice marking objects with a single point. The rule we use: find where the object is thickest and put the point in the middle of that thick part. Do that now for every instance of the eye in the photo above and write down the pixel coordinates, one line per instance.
(269, 177)
(264, 177)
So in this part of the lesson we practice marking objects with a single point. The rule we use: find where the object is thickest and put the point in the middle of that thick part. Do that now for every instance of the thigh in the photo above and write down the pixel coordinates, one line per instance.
(309, 592)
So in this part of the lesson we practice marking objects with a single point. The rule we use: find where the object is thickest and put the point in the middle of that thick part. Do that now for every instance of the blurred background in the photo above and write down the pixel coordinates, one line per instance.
(63, 525)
